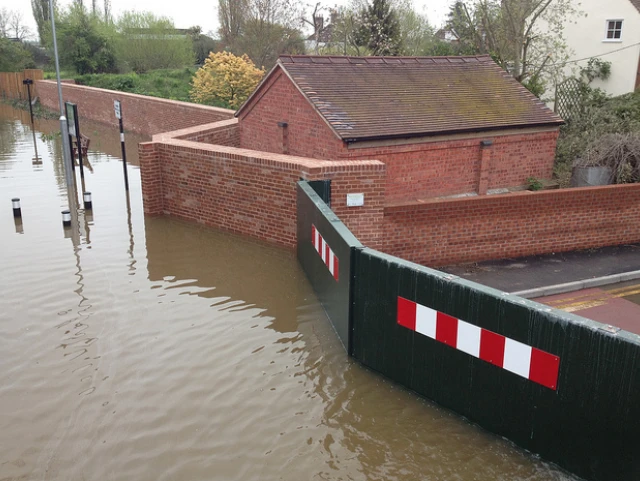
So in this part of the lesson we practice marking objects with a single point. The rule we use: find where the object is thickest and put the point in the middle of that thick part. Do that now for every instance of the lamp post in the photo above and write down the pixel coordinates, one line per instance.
(64, 128)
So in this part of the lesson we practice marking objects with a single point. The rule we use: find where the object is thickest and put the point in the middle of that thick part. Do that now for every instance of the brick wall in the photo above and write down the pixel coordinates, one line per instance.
(445, 166)
(142, 114)
(225, 132)
(453, 231)
(307, 135)
(254, 193)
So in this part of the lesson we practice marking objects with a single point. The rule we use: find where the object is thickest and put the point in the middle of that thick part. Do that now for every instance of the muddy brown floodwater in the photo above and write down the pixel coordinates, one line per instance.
(145, 348)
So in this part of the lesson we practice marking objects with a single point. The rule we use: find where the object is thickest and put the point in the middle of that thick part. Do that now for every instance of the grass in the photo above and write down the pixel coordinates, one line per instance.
(173, 84)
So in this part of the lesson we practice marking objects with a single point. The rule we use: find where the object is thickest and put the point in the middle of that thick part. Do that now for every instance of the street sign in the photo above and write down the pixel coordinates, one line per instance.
(116, 107)
(71, 118)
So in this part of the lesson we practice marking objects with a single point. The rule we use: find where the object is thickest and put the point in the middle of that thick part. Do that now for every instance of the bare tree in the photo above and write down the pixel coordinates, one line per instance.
(316, 21)
(524, 36)
(232, 15)
(16, 26)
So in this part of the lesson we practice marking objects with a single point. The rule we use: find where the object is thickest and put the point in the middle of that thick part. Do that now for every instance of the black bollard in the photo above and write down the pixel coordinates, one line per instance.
(17, 211)
(86, 198)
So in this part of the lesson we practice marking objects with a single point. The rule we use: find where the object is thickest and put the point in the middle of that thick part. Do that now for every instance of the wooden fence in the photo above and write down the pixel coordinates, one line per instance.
(11, 83)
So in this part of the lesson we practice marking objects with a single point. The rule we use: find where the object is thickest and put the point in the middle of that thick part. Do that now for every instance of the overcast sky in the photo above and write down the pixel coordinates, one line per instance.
(187, 13)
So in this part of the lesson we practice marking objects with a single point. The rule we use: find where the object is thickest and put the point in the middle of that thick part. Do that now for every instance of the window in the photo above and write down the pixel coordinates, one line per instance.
(614, 30)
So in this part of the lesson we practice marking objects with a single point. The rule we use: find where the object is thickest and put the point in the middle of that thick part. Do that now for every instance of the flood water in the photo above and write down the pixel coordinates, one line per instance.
(145, 348)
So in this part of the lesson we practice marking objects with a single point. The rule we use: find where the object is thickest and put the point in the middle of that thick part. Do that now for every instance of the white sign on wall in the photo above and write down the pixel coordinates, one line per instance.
(355, 200)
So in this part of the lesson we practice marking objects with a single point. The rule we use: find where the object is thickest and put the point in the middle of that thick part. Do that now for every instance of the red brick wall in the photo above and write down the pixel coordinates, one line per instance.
(225, 132)
(279, 101)
(141, 114)
(415, 171)
(254, 193)
(447, 167)
(453, 231)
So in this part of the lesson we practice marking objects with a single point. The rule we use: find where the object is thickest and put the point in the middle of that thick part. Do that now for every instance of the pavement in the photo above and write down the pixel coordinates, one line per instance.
(600, 284)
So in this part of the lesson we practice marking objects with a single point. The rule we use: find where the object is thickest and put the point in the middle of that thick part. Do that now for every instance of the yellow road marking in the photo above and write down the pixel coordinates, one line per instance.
(588, 301)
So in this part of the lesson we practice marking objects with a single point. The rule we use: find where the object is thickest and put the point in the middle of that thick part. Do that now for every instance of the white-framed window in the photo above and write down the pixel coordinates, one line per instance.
(614, 31)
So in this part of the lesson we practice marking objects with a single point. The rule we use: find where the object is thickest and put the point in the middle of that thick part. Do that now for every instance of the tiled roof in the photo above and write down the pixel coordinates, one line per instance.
(386, 97)
(636, 3)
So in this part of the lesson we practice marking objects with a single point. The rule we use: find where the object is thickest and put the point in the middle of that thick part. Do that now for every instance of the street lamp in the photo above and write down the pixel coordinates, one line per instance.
(64, 128)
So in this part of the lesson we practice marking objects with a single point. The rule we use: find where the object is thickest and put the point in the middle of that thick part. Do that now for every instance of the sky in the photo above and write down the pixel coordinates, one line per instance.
(187, 13)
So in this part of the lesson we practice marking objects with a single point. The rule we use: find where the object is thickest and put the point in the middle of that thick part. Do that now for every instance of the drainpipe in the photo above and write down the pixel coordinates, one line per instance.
(486, 149)
(285, 137)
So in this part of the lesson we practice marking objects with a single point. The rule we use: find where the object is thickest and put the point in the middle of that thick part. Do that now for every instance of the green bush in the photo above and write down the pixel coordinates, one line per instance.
(170, 84)
(601, 115)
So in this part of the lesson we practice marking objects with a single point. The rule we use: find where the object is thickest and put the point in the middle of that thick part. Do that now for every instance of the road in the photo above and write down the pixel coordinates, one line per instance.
(617, 304)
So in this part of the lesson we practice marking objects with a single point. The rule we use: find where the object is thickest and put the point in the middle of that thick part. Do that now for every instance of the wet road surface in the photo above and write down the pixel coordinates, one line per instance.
(617, 304)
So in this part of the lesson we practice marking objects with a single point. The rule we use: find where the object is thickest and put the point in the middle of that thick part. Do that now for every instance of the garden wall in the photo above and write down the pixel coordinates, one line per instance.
(249, 192)
(141, 114)
(450, 231)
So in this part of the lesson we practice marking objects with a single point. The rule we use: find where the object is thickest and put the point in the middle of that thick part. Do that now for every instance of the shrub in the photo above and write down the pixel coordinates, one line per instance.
(225, 79)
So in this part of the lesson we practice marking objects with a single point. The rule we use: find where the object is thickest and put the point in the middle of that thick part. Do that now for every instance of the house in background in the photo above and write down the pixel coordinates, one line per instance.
(443, 126)
(611, 32)
(323, 35)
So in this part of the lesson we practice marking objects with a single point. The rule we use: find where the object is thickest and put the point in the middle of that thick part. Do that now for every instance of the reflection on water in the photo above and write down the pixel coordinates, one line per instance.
(147, 348)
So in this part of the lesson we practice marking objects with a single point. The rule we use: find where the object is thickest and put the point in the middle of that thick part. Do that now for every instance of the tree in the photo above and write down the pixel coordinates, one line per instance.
(315, 21)
(524, 36)
(225, 80)
(13, 56)
(232, 15)
(202, 44)
(41, 14)
(262, 29)
(86, 43)
(4, 22)
(148, 42)
(416, 34)
(381, 29)
(347, 38)
(17, 27)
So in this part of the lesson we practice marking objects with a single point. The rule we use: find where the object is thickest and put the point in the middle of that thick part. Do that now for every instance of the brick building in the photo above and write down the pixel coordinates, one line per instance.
(442, 125)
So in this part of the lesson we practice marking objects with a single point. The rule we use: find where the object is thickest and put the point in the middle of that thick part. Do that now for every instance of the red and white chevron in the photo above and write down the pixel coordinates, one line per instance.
(526, 361)
(322, 248)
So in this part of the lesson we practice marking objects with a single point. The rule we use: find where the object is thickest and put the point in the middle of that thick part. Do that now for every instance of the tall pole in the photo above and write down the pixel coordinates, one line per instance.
(64, 128)
(28, 82)
(117, 106)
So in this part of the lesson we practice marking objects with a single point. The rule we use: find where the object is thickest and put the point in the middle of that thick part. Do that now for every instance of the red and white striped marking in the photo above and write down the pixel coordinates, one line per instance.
(525, 361)
(322, 248)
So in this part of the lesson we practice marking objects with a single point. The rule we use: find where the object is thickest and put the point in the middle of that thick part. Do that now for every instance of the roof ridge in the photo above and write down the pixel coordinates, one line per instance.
(350, 59)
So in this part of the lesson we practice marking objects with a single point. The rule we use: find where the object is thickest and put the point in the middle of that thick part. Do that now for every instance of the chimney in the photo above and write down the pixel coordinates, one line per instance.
(319, 22)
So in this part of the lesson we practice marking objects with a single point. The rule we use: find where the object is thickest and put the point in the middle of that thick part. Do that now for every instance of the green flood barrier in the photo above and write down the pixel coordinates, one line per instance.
(559, 385)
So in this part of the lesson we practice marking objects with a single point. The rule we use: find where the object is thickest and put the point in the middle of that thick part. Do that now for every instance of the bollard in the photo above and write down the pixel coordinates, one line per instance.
(17, 211)
(66, 218)
(86, 197)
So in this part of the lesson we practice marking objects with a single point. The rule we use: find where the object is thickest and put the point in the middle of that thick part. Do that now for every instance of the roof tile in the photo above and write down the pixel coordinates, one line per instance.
(383, 97)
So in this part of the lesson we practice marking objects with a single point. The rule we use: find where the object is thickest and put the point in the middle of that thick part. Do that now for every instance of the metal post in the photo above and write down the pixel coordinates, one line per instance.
(124, 151)
(79, 141)
(28, 82)
(64, 128)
